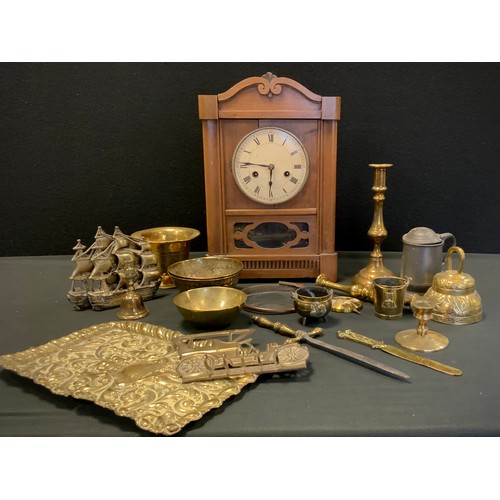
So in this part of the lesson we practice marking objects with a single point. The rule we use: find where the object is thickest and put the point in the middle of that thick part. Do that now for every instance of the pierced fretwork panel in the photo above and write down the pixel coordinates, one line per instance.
(271, 235)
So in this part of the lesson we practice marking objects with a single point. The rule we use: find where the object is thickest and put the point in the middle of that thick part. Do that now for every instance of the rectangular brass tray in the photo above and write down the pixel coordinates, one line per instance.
(129, 368)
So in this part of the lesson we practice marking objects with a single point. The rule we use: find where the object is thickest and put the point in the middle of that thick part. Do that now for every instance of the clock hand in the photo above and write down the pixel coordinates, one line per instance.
(271, 168)
(246, 163)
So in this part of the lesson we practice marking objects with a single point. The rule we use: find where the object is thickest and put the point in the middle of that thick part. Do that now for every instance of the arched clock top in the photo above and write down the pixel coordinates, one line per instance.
(269, 97)
(268, 85)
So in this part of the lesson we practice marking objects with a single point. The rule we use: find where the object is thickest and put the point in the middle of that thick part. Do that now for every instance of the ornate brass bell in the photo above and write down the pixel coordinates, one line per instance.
(457, 301)
(132, 305)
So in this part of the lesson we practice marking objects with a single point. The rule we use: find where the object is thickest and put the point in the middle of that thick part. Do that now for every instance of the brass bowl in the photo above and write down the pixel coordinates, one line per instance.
(205, 271)
(213, 306)
(169, 245)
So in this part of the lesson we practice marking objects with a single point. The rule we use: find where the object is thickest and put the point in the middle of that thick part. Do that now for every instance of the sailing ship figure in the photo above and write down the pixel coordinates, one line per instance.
(99, 280)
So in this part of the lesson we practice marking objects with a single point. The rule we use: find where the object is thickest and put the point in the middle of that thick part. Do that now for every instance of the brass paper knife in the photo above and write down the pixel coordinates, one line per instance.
(400, 353)
(302, 336)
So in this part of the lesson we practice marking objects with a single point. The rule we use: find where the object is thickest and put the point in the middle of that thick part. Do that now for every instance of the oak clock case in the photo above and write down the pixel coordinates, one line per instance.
(270, 149)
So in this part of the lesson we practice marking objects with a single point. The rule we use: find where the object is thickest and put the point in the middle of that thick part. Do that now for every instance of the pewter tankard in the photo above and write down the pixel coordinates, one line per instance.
(423, 256)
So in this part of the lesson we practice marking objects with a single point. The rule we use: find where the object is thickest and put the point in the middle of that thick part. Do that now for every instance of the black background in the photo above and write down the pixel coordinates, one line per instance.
(88, 144)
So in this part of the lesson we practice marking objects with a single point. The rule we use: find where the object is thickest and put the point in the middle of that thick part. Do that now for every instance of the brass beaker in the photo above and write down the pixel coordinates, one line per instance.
(169, 245)
(389, 296)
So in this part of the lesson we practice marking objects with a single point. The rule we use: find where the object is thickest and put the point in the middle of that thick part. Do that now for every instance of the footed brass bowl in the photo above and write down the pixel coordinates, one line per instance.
(205, 271)
(169, 245)
(213, 306)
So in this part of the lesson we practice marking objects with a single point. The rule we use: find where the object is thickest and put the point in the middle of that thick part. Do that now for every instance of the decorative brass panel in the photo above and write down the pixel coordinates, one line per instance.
(129, 368)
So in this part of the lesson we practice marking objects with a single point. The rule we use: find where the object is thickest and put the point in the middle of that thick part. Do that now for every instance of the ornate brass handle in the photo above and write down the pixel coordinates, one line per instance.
(360, 339)
(356, 291)
(283, 329)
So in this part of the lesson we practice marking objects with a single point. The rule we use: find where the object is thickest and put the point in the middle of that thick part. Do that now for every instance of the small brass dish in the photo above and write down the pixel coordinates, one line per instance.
(204, 272)
(213, 306)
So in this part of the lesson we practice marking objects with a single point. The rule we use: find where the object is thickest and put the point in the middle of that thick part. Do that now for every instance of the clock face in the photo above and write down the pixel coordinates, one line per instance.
(270, 165)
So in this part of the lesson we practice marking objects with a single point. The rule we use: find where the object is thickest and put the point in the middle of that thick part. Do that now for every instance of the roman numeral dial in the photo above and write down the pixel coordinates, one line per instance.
(270, 165)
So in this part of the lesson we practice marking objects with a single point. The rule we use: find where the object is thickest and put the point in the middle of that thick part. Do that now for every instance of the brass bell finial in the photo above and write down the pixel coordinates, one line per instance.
(132, 305)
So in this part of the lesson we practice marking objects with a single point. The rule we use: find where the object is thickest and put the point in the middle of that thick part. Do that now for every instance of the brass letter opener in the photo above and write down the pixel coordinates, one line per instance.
(400, 353)
(302, 336)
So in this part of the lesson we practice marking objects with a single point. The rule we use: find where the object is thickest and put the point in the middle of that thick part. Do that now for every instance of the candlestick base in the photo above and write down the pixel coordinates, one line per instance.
(375, 269)
(430, 342)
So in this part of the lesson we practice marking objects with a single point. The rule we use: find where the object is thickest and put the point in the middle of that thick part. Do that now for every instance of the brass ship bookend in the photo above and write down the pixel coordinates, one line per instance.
(99, 281)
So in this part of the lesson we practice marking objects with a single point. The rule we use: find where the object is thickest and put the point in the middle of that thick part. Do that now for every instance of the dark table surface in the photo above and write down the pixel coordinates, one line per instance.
(333, 397)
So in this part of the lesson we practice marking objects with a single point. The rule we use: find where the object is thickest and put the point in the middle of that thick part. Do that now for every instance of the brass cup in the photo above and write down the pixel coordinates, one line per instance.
(389, 296)
(169, 245)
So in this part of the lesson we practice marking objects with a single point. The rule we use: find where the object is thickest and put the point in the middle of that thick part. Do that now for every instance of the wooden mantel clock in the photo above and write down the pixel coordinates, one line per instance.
(270, 153)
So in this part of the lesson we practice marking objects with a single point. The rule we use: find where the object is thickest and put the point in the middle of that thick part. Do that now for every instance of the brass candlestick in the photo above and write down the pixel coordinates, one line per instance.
(377, 231)
(421, 338)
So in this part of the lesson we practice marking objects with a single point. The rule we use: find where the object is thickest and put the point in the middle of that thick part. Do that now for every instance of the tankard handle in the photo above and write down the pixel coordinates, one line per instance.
(444, 237)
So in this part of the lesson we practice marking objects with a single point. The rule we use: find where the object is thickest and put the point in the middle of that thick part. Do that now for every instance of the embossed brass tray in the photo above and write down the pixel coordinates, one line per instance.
(129, 368)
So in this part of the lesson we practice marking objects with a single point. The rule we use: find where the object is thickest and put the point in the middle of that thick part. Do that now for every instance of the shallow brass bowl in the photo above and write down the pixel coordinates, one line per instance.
(169, 245)
(205, 271)
(213, 306)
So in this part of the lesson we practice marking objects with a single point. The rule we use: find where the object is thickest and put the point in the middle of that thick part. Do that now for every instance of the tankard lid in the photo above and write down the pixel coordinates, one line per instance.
(422, 236)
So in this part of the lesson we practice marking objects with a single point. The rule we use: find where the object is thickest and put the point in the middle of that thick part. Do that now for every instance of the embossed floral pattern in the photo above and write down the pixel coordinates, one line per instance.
(127, 367)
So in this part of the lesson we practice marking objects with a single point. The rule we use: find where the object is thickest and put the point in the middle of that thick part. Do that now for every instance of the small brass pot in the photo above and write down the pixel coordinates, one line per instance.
(313, 302)
(454, 293)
